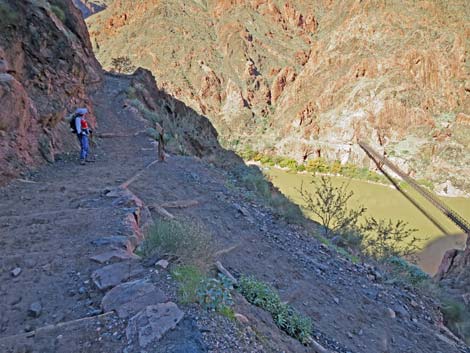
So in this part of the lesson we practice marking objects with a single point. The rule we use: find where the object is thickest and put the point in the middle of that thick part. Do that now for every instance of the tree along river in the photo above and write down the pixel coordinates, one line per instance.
(385, 202)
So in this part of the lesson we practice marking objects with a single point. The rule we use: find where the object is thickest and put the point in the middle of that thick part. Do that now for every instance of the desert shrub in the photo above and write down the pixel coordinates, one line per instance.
(215, 293)
(336, 167)
(247, 154)
(285, 317)
(330, 204)
(385, 239)
(148, 114)
(456, 317)
(58, 12)
(399, 268)
(122, 64)
(317, 165)
(189, 279)
(187, 241)
(288, 163)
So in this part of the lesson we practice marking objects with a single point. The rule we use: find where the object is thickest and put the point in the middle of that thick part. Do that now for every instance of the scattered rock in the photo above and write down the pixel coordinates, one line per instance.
(401, 312)
(336, 300)
(114, 254)
(129, 298)
(180, 204)
(35, 310)
(391, 313)
(118, 240)
(151, 324)
(162, 263)
(242, 318)
(16, 272)
(112, 275)
(161, 211)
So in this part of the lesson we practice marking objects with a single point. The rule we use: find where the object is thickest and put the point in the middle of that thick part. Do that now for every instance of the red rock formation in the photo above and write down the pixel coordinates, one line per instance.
(51, 67)
(284, 77)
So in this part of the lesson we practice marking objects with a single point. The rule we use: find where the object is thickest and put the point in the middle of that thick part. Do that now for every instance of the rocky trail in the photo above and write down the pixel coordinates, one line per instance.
(69, 281)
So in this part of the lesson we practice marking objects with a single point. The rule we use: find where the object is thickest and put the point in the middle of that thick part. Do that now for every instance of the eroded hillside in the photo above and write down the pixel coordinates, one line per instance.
(308, 79)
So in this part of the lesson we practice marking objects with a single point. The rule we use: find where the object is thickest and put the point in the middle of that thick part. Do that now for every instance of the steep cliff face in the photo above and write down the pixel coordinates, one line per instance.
(309, 78)
(47, 68)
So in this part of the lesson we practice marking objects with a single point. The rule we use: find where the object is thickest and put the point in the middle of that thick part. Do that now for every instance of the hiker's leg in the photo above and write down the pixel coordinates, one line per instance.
(86, 146)
(83, 146)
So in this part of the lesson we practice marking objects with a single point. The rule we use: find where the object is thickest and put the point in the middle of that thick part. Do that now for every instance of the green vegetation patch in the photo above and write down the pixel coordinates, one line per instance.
(285, 317)
(189, 279)
(184, 240)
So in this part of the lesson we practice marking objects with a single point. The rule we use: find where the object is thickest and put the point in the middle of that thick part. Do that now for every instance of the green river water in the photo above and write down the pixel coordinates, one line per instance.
(386, 202)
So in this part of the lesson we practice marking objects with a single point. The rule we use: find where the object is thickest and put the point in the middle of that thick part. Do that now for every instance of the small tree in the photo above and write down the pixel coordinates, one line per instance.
(385, 239)
(330, 204)
(122, 64)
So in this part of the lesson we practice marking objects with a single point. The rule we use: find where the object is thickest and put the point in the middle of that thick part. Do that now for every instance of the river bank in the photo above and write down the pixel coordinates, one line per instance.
(383, 201)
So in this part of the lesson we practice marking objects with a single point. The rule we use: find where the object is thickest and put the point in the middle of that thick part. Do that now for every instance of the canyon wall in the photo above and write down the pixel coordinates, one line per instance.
(308, 79)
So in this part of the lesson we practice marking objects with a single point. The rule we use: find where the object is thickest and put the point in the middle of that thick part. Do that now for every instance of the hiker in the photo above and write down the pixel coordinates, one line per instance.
(83, 131)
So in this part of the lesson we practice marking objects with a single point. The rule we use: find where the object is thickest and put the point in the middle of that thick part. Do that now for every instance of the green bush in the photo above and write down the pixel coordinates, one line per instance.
(401, 269)
(189, 279)
(123, 65)
(288, 163)
(285, 317)
(330, 204)
(456, 317)
(318, 165)
(215, 293)
(147, 113)
(187, 241)
(385, 239)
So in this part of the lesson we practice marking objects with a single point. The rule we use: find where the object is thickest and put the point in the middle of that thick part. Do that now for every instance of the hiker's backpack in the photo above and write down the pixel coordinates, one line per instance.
(72, 119)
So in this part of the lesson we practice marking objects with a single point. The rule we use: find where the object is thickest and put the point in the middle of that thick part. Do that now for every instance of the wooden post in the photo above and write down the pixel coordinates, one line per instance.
(161, 142)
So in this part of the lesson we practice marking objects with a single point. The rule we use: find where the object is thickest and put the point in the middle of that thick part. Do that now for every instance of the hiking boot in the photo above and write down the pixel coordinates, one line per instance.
(90, 160)
(82, 162)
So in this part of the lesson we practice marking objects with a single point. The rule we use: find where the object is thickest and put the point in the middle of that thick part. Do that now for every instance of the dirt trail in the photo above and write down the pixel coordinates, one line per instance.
(50, 226)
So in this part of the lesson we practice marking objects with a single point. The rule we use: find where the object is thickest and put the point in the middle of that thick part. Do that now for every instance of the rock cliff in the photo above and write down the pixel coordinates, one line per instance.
(47, 68)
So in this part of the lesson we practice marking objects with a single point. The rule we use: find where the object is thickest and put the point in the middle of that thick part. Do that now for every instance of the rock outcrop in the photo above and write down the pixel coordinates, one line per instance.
(47, 68)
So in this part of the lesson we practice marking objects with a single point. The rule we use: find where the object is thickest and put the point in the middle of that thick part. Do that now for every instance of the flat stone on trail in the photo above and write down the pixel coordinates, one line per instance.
(112, 275)
(162, 263)
(129, 298)
(16, 272)
(151, 324)
(114, 254)
(35, 310)
(119, 240)
(180, 204)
